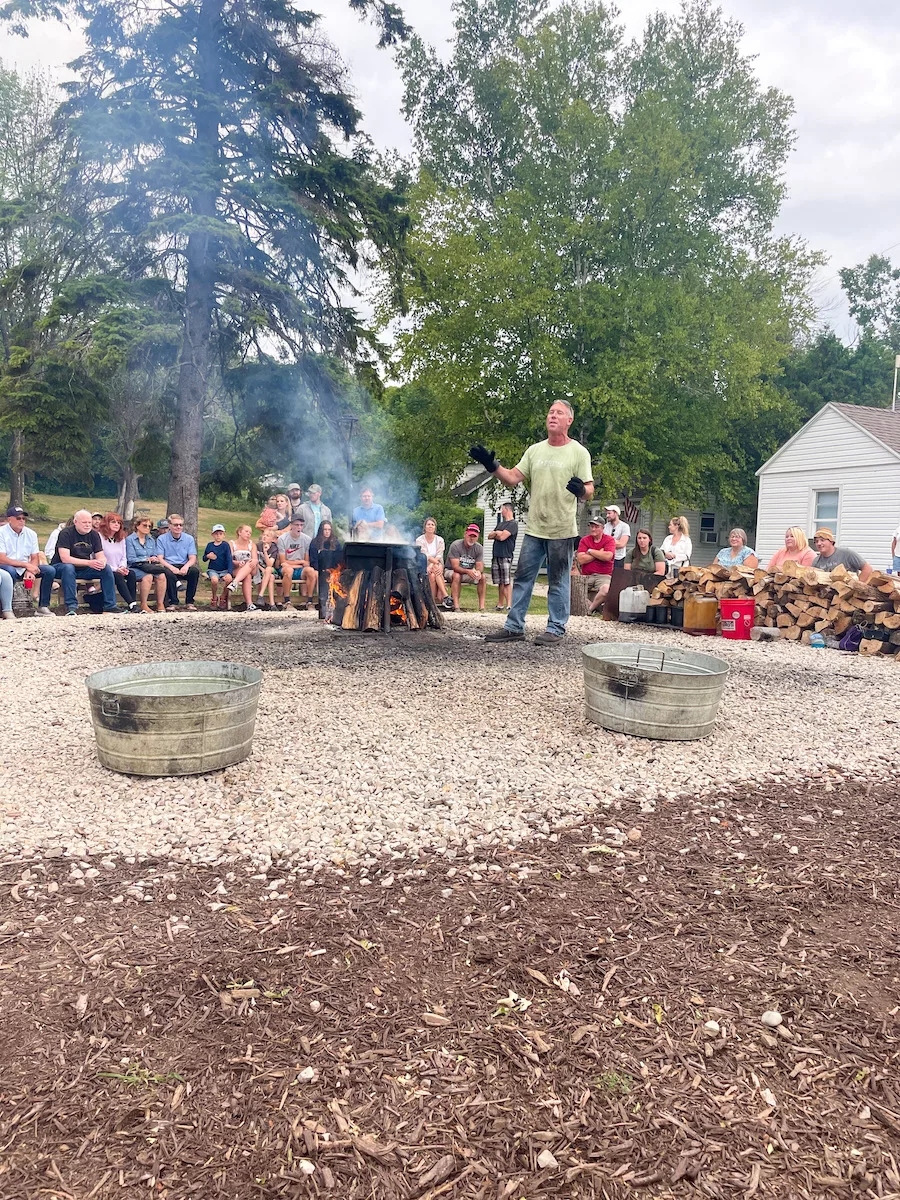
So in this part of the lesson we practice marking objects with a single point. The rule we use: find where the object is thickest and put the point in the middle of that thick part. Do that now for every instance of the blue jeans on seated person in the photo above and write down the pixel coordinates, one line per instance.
(557, 553)
(897, 564)
(47, 576)
(68, 575)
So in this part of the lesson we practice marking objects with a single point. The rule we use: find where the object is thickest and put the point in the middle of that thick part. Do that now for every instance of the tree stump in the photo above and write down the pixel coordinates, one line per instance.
(579, 600)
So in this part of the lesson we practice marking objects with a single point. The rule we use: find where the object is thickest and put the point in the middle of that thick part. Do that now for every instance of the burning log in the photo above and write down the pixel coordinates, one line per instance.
(338, 586)
(417, 598)
(374, 602)
(351, 617)
(401, 589)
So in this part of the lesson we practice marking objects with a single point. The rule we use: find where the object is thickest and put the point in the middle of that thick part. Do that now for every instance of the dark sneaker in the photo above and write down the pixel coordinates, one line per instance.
(448, 604)
(71, 612)
(504, 635)
(547, 639)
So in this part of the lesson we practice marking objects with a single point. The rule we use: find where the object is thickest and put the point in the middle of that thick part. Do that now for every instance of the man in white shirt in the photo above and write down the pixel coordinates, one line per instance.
(895, 550)
(19, 555)
(618, 530)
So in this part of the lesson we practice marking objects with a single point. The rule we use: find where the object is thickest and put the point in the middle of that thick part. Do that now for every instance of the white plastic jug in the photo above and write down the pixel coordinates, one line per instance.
(633, 604)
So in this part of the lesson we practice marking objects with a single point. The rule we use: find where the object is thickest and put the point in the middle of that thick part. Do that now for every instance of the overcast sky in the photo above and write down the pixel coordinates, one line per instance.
(840, 62)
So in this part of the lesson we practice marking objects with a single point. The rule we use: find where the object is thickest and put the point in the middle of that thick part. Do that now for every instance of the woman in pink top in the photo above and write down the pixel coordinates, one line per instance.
(796, 548)
(112, 539)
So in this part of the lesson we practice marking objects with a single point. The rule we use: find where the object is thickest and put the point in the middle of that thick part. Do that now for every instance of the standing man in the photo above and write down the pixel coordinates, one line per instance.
(20, 556)
(293, 559)
(619, 530)
(895, 550)
(295, 495)
(179, 555)
(79, 555)
(504, 539)
(466, 559)
(595, 557)
(557, 473)
(369, 516)
(313, 511)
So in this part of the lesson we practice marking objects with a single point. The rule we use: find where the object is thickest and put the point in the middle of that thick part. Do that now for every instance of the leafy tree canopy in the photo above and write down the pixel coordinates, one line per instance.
(594, 220)
(873, 289)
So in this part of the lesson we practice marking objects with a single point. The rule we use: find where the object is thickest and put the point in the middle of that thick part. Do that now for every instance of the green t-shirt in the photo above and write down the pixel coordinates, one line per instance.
(552, 511)
(648, 561)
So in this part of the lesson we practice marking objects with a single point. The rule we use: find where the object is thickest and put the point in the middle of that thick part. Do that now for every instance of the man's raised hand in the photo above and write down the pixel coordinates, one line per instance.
(487, 458)
(576, 487)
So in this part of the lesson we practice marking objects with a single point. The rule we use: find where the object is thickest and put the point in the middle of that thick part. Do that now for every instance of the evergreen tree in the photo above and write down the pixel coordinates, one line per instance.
(235, 159)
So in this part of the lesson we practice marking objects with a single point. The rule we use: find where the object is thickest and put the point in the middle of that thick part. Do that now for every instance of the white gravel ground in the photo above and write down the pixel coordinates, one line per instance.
(367, 746)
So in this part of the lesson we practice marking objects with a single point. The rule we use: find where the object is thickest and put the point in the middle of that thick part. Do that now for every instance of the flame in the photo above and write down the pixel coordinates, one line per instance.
(398, 610)
(334, 583)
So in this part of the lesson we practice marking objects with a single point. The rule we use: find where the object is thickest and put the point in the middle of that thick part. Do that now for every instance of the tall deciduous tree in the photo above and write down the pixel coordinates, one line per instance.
(873, 289)
(237, 159)
(594, 220)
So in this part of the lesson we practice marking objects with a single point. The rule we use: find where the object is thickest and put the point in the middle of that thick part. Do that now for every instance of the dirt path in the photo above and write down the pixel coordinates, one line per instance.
(528, 1026)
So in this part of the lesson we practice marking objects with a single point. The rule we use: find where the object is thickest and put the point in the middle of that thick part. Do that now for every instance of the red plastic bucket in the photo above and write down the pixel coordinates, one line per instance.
(736, 619)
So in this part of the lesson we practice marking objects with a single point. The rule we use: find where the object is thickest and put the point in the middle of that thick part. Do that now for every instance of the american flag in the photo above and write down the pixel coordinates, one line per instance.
(630, 510)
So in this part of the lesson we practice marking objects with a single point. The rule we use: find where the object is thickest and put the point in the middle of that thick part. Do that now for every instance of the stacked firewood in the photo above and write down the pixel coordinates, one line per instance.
(799, 601)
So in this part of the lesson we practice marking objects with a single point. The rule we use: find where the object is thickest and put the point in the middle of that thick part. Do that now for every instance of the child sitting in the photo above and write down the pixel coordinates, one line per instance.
(221, 566)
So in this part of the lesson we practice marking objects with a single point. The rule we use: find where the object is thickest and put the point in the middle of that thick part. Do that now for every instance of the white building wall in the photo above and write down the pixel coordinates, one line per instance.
(868, 507)
(831, 454)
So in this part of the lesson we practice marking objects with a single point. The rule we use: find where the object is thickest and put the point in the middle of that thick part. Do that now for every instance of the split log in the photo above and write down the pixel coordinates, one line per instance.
(417, 600)
(374, 615)
(351, 617)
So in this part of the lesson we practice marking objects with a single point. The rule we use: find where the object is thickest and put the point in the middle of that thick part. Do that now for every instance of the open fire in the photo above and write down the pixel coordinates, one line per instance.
(381, 586)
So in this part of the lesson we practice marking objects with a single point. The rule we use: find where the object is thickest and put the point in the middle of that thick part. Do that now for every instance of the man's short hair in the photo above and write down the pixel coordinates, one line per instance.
(82, 512)
(567, 403)
(174, 517)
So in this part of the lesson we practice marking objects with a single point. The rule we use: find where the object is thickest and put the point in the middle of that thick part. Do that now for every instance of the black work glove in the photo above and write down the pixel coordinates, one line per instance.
(487, 458)
(576, 487)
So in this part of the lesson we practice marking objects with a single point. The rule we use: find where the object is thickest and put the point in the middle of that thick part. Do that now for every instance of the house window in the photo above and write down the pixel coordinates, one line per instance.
(826, 510)
(708, 531)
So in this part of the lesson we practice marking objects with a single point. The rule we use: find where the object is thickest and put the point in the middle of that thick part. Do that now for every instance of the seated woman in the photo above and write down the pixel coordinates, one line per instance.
(677, 546)
(267, 556)
(645, 557)
(737, 553)
(142, 557)
(432, 547)
(796, 549)
(246, 561)
(112, 539)
(324, 553)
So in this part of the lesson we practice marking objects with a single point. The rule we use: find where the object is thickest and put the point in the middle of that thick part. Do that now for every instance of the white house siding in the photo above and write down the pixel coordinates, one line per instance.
(489, 524)
(830, 453)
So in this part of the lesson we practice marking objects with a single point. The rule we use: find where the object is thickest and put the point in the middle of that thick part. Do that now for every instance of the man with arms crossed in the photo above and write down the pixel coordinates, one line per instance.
(557, 473)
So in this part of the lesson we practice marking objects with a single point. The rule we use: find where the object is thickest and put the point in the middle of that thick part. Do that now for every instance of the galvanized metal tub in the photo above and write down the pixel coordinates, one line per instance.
(671, 695)
(174, 718)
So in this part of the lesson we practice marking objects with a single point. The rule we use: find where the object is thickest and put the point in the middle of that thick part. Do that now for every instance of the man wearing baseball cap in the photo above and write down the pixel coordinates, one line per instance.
(465, 560)
(595, 558)
(20, 562)
(313, 511)
(295, 496)
(830, 556)
(619, 530)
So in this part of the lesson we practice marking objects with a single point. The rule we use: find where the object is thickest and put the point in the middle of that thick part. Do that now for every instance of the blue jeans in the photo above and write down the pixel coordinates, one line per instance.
(67, 574)
(47, 576)
(557, 553)
(897, 564)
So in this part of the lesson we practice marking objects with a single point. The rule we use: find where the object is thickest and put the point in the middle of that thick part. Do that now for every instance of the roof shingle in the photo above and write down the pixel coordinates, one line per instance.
(880, 422)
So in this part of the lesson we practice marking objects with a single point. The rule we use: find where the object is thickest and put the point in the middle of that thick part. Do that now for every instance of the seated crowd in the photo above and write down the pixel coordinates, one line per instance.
(297, 542)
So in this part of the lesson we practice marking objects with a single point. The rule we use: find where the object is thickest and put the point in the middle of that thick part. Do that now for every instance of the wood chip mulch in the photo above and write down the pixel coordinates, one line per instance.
(532, 1025)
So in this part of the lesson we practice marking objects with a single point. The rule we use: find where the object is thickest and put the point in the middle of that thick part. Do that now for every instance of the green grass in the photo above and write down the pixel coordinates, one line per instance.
(468, 601)
(60, 508)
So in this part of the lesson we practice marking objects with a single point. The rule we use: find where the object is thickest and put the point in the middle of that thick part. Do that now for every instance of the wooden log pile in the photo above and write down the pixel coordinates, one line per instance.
(799, 601)
(359, 598)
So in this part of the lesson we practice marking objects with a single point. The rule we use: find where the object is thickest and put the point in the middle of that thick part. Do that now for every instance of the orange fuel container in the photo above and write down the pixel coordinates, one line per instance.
(700, 613)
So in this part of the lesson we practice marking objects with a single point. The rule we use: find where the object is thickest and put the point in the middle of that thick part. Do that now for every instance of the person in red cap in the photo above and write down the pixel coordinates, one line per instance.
(466, 565)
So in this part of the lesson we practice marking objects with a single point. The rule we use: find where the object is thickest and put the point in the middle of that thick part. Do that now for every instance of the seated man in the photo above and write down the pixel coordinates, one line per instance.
(20, 556)
(367, 520)
(293, 561)
(466, 559)
(179, 554)
(79, 555)
(595, 555)
(831, 556)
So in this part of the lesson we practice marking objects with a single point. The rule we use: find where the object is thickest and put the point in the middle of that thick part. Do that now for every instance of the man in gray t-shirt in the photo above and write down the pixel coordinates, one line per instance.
(465, 560)
(831, 556)
(293, 559)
